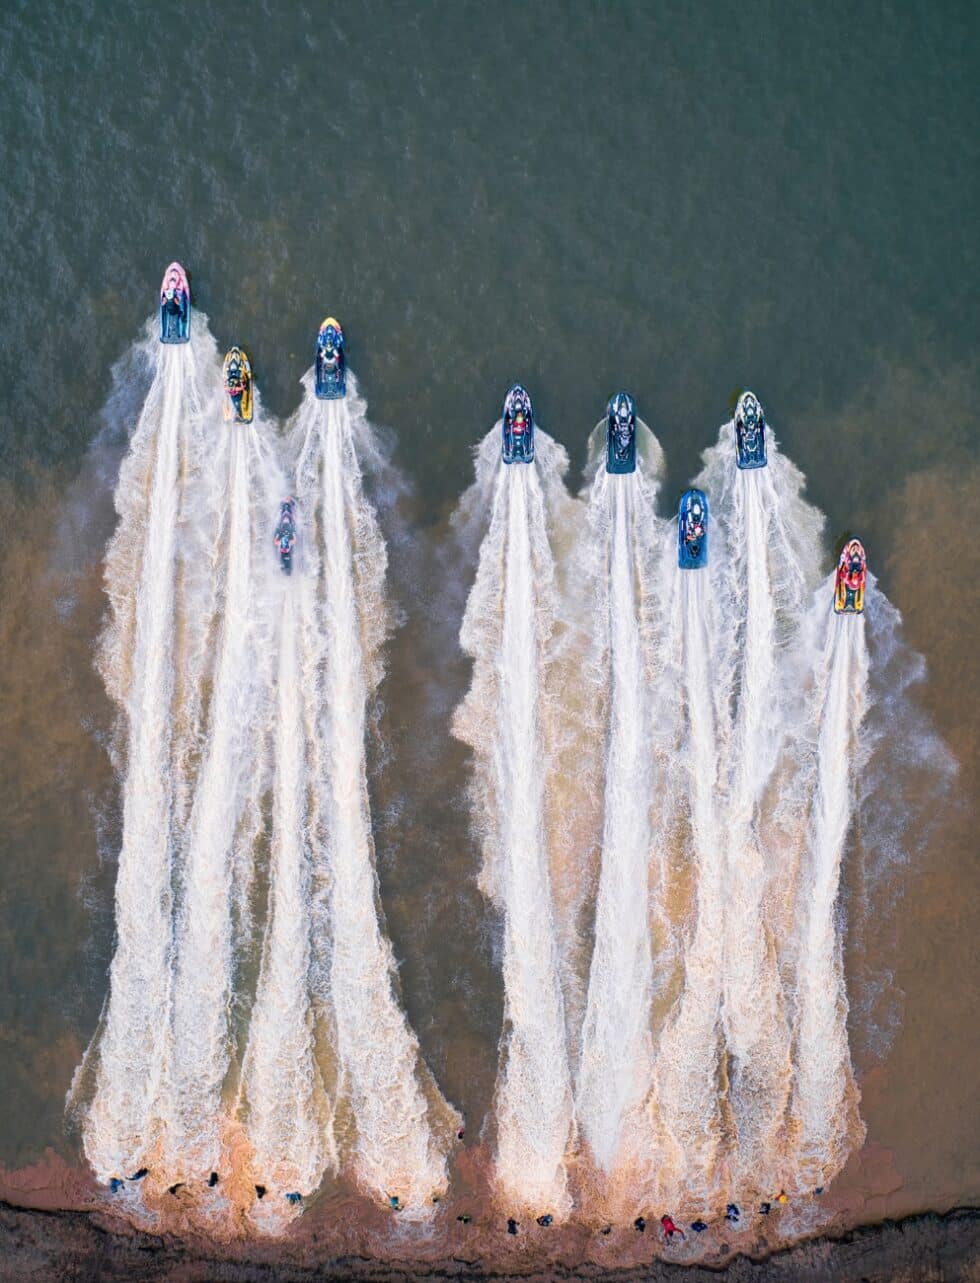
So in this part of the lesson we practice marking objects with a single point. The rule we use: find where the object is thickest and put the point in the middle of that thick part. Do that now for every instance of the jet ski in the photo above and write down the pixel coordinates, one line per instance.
(518, 427)
(621, 434)
(285, 535)
(238, 387)
(750, 432)
(175, 306)
(852, 574)
(692, 530)
(330, 364)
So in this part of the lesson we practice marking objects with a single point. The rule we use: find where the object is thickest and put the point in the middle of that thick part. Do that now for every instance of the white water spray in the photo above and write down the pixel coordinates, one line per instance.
(824, 1102)
(506, 628)
(122, 1122)
(288, 1113)
(616, 1062)
(773, 554)
(400, 1125)
(688, 1169)
(200, 1045)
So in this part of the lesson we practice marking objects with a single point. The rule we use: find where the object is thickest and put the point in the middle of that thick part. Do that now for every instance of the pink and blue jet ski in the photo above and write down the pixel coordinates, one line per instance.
(518, 427)
(175, 306)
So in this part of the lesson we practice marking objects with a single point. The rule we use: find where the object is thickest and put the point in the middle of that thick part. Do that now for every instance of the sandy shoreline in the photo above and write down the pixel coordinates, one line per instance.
(46, 1246)
(56, 1223)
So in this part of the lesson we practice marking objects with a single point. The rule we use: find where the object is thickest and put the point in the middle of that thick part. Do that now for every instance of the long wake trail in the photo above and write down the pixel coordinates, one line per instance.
(825, 1098)
(398, 1139)
(688, 1089)
(505, 629)
(616, 1060)
(773, 555)
(287, 1109)
(200, 1045)
(123, 1121)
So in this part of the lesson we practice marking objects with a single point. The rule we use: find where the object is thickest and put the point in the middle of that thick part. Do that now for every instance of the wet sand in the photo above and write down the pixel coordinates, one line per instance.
(38, 1242)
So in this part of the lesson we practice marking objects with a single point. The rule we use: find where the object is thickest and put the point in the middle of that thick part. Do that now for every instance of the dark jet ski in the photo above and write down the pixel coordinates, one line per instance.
(621, 434)
(175, 306)
(330, 363)
(518, 427)
(285, 535)
(692, 530)
(238, 387)
(852, 574)
(750, 432)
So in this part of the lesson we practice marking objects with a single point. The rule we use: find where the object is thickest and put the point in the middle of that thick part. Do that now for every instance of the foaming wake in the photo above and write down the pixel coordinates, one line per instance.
(287, 1109)
(824, 1105)
(148, 592)
(397, 1129)
(216, 862)
(619, 560)
(687, 1161)
(507, 629)
(772, 539)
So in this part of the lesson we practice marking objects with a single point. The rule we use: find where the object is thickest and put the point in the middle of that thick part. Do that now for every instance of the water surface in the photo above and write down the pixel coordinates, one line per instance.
(680, 202)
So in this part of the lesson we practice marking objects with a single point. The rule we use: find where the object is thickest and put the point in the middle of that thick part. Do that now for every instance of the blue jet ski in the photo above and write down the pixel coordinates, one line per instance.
(621, 434)
(285, 535)
(175, 306)
(692, 530)
(330, 363)
(518, 427)
(750, 432)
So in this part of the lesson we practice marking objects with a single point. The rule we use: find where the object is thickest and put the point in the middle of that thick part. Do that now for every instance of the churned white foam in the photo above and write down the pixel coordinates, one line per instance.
(689, 1157)
(397, 1141)
(122, 1120)
(200, 1043)
(616, 1060)
(286, 1107)
(824, 1101)
(771, 538)
(507, 629)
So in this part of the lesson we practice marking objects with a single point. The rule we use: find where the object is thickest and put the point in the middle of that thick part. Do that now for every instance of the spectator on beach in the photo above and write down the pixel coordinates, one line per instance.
(670, 1229)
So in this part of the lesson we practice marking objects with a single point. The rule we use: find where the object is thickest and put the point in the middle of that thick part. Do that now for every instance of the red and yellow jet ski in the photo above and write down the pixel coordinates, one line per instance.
(852, 573)
(238, 387)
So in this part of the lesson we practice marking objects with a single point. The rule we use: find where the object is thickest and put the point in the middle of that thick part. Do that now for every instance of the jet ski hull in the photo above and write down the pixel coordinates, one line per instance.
(621, 434)
(285, 535)
(330, 362)
(518, 427)
(175, 306)
(238, 387)
(692, 530)
(750, 432)
(852, 574)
